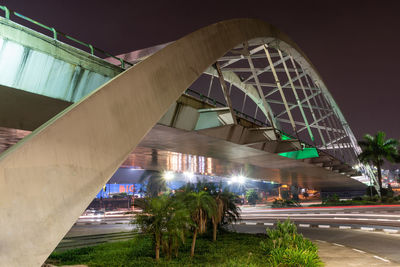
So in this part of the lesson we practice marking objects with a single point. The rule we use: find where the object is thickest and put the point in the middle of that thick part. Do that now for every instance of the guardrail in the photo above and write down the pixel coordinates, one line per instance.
(8, 12)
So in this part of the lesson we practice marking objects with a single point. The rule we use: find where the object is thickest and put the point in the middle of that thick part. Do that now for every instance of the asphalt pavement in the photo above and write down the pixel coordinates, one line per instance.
(374, 230)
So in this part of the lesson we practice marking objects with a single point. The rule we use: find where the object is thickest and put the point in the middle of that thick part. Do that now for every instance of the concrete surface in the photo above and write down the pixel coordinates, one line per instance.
(334, 255)
(36, 63)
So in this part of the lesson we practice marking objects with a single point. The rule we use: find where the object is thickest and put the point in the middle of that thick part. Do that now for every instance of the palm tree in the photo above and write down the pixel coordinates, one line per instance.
(152, 219)
(202, 207)
(375, 149)
(168, 220)
(178, 224)
(226, 210)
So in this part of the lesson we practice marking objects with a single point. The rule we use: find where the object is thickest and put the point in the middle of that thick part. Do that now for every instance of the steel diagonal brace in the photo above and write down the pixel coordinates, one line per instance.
(225, 91)
(278, 84)
(296, 95)
(260, 92)
(307, 100)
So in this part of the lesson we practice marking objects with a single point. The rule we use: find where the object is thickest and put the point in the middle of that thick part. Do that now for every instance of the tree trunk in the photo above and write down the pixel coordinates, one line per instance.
(176, 252)
(170, 248)
(215, 225)
(157, 248)
(193, 243)
(378, 166)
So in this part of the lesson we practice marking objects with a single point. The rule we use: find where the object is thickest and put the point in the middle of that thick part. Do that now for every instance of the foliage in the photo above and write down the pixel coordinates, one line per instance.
(294, 258)
(167, 220)
(357, 201)
(285, 247)
(252, 196)
(231, 249)
(226, 210)
(371, 190)
(285, 203)
(202, 207)
(375, 149)
(331, 200)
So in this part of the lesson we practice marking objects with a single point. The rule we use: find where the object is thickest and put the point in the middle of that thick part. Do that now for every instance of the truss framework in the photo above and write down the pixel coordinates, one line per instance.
(274, 84)
(279, 90)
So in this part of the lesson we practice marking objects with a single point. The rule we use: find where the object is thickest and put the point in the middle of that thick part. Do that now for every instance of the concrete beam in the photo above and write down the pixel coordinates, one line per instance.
(27, 111)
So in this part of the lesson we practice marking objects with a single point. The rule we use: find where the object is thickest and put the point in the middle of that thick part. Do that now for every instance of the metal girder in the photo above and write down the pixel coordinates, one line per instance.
(240, 57)
(259, 70)
(253, 51)
(336, 140)
(268, 68)
(210, 86)
(308, 102)
(331, 122)
(318, 120)
(339, 146)
(278, 84)
(312, 126)
(261, 93)
(225, 91)
(302, 102)
(296, 95)
(285, 85)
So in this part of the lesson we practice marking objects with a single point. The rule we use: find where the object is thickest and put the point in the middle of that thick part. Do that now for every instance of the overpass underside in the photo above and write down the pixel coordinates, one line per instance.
(175, 143)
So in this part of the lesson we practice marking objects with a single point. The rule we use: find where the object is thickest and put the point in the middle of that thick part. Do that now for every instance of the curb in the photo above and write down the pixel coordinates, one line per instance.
(326, 226)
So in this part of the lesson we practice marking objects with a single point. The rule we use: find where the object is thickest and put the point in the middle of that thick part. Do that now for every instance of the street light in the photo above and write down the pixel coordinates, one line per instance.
(237, 179)
(168, 176)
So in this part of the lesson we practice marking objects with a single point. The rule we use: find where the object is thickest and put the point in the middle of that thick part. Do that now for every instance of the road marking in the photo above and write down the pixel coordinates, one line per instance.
(367, 229)
(359, 250)
(324, 226)
(304, 225)
(337, 245)
(250, 223)
(344, 227)
(322, 241)
(382, 259)
(271, 224)
(391, 231)
(382, 220)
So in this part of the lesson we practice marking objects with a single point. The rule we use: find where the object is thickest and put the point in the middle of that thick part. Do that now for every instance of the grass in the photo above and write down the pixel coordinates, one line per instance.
(231, 249)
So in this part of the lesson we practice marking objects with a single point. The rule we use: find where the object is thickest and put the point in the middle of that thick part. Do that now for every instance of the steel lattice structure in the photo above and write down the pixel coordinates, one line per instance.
(275, 85)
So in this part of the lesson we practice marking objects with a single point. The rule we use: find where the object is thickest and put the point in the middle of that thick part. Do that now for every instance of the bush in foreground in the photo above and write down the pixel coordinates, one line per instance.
(285, 247)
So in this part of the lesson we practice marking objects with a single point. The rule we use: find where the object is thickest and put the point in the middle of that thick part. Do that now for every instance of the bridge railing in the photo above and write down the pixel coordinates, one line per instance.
(8, 12)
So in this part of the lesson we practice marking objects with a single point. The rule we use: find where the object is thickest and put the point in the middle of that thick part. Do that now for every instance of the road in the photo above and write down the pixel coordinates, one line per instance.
(378, 243)
(313, 223)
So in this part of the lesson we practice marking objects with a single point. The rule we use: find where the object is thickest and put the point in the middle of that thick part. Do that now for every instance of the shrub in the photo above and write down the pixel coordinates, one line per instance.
(369, 189)
(285, 247)
(331, 200)
(294, 258)
(284, 203)
(252, 196)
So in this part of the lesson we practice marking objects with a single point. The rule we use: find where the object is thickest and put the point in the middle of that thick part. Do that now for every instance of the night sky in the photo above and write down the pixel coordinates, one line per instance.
(354, 44)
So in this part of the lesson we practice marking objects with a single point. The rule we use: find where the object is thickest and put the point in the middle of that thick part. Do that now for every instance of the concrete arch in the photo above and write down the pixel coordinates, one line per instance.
(52, 175)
